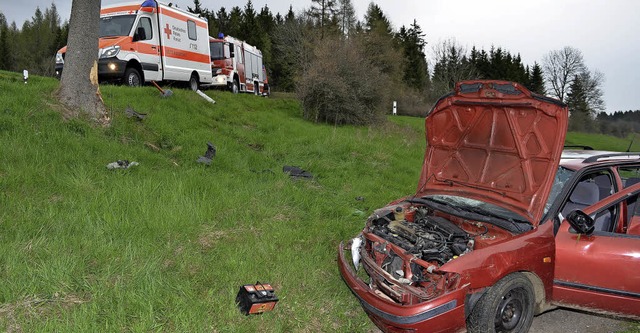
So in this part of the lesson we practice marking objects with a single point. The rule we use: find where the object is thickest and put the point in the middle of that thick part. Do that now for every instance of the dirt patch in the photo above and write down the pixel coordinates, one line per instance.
(36, 306)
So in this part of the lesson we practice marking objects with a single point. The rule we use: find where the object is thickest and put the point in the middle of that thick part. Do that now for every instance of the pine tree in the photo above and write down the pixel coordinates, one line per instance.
(235, 21)
(222, 20)
(580, 114)
(5, 46)
(536, 81)
(249, 29)
(416, 74)
(323, 12)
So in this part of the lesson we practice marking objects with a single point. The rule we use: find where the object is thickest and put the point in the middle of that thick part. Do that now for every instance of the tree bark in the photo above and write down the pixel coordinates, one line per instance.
(79, 89)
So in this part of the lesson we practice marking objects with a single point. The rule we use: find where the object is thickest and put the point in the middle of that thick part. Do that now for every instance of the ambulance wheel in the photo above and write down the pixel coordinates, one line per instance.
(193, 82)
(235, 87)
(132, 77)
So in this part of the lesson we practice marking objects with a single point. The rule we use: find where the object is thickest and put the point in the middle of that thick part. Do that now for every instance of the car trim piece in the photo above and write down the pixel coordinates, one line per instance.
(597, 289)
(405, 320)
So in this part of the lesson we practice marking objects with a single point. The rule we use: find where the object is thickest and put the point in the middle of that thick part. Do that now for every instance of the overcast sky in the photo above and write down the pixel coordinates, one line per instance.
(606, 31)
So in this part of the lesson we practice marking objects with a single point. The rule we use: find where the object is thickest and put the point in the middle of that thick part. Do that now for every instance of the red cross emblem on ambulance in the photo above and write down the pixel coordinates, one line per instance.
(167, 31)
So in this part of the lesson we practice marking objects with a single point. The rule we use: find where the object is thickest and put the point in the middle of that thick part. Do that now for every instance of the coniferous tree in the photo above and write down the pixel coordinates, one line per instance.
(580, 118)
(536, 81)
(235, 22)
(5, 50)
(416, 73)
(222, 21)
(323, 12)
(347, 17)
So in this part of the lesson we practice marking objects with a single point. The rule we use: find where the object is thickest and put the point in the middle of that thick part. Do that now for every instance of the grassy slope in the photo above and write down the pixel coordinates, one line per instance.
(165, 246)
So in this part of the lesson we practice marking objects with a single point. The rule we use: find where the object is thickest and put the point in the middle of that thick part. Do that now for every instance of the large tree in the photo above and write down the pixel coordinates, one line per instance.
(560, 68)
(416, 73)
(323, 11)
(79, 89)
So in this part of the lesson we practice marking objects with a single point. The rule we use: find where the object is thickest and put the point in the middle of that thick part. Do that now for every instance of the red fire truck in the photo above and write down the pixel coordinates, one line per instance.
(237, 66)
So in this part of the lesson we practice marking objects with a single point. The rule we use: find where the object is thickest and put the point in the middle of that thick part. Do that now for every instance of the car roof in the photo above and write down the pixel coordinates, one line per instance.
(576, 159)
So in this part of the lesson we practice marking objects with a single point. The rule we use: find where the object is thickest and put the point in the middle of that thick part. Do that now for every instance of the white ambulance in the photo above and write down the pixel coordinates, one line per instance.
(151, 41)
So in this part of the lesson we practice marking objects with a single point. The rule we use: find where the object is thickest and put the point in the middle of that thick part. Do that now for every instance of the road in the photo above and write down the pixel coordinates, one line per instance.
(569, 321)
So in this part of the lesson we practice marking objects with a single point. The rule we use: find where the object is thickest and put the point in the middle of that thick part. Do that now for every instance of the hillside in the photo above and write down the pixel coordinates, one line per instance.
(165, 245)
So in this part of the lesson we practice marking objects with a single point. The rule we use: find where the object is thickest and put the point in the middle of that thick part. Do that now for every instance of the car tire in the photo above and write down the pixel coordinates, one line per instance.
(194, 84)
(235, 87)
(132, 77)
(508, 306)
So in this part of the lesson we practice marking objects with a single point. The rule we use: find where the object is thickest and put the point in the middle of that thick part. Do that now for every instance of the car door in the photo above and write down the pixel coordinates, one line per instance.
(599, 271)
(146, 45)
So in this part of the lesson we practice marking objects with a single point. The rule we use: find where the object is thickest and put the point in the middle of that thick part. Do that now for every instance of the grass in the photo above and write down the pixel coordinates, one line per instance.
(165, 246)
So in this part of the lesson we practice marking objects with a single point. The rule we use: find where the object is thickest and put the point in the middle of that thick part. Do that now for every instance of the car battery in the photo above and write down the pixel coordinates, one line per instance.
(256, 298)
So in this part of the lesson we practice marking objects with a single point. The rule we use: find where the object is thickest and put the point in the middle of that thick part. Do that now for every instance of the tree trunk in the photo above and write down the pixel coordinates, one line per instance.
(79, 89)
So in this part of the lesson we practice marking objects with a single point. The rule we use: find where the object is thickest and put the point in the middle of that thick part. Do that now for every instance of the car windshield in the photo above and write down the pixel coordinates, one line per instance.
(120, 25)
(562, 176)
(479, 210)
(217, 50)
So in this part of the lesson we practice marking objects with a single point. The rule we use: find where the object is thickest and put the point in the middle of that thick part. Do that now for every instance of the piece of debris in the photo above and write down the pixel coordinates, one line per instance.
(130, 113)
(208, 155)
(256, 298)
(203, 95)
(297, 173)
(164, 93)
(121, 164)
(152, 146)
(359, 198)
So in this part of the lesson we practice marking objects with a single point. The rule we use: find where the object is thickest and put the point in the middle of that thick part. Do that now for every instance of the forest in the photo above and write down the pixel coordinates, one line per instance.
(348, 71)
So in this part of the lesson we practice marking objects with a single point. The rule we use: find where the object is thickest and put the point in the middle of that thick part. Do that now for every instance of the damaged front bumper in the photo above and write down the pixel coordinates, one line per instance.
(444, 313)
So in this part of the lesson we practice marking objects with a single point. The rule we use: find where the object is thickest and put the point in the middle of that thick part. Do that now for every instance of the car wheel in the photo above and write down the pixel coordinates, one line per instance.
(507, 307)
(193, 82)
(132, 77)
(235, 87)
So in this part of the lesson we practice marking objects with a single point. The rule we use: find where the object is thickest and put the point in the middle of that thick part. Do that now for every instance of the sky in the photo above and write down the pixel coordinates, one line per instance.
(604, 30)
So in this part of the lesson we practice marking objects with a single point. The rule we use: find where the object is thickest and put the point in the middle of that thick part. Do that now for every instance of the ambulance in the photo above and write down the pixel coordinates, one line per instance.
(151, 41)
(237, 66)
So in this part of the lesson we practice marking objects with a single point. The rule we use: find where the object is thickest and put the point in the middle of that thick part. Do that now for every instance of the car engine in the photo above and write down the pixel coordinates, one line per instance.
(429, 237)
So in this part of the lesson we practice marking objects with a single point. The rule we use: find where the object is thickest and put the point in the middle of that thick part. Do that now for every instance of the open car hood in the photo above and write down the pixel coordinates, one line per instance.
(496, 142)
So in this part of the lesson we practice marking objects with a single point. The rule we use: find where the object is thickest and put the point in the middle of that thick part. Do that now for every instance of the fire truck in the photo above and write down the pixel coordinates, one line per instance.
(237, 66)
(150, 41)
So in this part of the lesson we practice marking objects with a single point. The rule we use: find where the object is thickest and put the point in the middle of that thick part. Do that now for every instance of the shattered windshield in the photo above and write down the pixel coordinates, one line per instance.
(477, 206)
(120, 25)
(562, 176)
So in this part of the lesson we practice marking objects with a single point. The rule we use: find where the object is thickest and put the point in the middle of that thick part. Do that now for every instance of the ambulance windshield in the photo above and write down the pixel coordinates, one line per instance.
(116, 25)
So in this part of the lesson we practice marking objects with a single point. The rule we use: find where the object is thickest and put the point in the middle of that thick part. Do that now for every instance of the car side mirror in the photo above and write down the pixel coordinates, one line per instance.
(232, 52)
(581, 222)
(140, 34)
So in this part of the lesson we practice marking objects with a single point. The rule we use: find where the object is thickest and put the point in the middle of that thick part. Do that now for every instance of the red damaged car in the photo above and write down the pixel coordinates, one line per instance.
(504, 224)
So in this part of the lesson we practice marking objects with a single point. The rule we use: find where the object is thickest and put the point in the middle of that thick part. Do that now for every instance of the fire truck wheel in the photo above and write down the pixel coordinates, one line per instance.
(193, 82)
(235, 87)
(132, 77)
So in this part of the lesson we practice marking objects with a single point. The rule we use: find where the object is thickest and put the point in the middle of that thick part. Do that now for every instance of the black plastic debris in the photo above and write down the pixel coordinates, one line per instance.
(256, 298)
(208, 155)
(131, 113)
(359, 198)
(121, 164)
(297, 173)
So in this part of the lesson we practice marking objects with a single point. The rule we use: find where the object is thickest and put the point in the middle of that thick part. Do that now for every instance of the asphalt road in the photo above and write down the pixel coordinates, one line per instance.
(569, 321)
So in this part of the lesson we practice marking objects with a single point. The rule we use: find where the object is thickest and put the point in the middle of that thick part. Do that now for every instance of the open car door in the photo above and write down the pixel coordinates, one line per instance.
(601, 270)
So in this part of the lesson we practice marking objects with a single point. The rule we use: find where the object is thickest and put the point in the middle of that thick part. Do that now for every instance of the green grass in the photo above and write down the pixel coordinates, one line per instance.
(165, 246)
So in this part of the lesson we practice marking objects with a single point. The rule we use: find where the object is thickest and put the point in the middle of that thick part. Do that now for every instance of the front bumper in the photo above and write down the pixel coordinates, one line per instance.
(442, 314)
(220, 81)
(109, 69)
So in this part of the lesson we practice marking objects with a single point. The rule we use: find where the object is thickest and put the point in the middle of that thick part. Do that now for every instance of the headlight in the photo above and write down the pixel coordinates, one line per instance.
(356, 243)
(109, 52)
(59, 58)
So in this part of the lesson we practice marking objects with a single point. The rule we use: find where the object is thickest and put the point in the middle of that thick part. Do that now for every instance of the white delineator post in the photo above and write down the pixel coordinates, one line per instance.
(395, 108)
